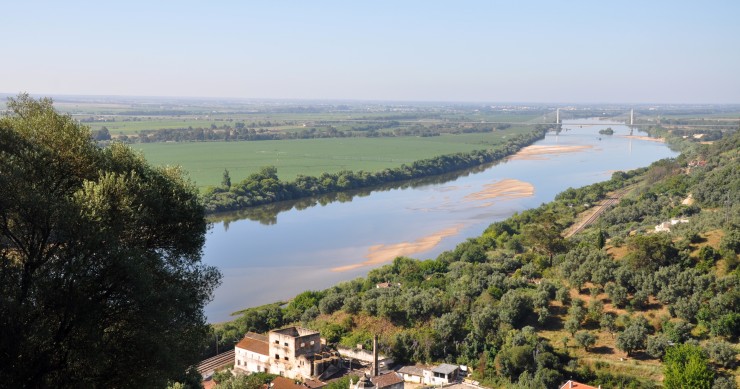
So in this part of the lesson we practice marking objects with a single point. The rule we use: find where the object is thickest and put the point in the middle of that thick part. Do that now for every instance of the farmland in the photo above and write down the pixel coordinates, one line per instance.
(206, 161)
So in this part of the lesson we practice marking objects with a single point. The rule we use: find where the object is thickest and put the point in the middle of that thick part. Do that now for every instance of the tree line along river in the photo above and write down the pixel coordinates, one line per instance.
(273, 252)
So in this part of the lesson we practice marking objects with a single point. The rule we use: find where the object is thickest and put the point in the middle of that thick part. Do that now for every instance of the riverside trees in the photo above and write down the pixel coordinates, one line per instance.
(101, 283)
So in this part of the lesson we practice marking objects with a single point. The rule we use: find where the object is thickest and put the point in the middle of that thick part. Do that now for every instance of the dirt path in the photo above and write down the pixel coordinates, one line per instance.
(589, 216)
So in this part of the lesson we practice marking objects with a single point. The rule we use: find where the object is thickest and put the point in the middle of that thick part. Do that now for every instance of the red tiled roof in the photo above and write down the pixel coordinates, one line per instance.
(254, 345)
(314, 384)
(284, 383)
(386, 380)
(576, 385)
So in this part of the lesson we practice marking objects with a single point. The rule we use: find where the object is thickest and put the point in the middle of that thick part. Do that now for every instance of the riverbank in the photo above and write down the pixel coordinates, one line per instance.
(265, 187)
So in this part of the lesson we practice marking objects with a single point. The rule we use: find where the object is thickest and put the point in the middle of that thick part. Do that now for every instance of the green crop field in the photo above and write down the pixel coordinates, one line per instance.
(206, 161)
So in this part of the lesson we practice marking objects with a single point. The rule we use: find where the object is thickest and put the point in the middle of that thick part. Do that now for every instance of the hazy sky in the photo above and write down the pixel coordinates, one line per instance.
(496, 51)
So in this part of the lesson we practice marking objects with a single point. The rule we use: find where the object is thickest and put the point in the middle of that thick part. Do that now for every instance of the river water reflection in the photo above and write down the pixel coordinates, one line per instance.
(277, 251)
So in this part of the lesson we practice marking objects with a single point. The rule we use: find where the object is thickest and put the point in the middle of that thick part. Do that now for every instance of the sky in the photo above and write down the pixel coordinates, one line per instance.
(456, 51)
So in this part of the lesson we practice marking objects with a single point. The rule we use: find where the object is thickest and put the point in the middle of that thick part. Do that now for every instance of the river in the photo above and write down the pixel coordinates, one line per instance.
(274, 252)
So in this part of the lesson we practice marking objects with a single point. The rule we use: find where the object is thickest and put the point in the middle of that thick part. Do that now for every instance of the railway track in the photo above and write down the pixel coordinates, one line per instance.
(208, 366)
(601, 208)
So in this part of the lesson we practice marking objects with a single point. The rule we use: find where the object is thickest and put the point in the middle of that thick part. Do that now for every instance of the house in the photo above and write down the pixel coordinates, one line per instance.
(251, 354)
(577, 385)
(390, 380)
(292, 352)
(413, 374)
(442, 374)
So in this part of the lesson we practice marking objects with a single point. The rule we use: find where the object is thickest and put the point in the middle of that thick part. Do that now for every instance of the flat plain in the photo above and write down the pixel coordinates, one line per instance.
(206, 161)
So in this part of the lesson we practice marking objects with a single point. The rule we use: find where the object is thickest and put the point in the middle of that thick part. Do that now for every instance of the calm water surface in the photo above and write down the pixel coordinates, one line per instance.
(307, 249)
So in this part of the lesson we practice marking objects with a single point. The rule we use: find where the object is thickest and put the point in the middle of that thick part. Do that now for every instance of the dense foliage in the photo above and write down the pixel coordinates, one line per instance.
(101, 283)
(265, 187)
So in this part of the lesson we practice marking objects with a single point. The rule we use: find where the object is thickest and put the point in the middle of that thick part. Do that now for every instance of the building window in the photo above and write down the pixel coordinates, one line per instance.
(303, 345)
(277, 341)
(286, 344)
(312, 343)
(277, 356)
(286, 358)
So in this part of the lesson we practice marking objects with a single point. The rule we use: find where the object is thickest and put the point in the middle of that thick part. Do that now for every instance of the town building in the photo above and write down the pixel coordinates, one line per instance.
(442, 374)
(413, 374)
(292, 352)
(251, 354)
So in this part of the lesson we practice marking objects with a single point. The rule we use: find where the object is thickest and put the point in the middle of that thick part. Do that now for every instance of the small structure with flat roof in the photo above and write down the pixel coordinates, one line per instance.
(442, 374)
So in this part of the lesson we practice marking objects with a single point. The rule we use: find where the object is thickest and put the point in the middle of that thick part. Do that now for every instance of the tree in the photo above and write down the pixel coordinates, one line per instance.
(100, 253)
(102, 134)
(226, 180)
(722, 353)
(632, 338)
(544, 235)
(585, 339)
(686, 366)
(656, 346)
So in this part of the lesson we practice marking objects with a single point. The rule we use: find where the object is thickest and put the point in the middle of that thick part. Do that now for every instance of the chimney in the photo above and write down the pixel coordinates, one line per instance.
(570, 384)
(375, 355)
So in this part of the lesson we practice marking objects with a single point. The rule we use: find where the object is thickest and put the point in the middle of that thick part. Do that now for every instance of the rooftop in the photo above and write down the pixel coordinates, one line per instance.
(445, 368)
(295, 331)
(386, 380)
(254, 345)
(412, 370)
(284, 383)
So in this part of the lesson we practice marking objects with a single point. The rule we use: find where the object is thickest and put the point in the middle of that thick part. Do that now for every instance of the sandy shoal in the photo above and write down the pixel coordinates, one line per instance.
(382, 253)
(541, 152)
(643, 137)
(504, 189)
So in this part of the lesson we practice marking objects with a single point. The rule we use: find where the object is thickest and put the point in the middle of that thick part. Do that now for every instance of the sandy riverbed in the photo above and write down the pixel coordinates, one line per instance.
(504, 190)
(541, 153)
(382, 253)
(642, 137)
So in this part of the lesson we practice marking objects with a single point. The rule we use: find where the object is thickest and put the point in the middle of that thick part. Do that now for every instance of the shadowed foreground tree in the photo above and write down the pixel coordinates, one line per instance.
(101, 283)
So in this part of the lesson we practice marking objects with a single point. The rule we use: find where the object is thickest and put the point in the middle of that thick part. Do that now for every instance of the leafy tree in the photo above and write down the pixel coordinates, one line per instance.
(514, 307)
(686, 366)
(632, 338)
(572, 325)
(656, 345)
(722, 353)
(608, 322)
(585, 339)
(544, 235)
(102, 134)
(226, 180)
(100, 253)
(724, 383)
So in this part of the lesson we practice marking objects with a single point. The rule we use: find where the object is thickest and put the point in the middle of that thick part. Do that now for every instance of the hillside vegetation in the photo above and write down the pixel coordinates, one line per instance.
(526, 308)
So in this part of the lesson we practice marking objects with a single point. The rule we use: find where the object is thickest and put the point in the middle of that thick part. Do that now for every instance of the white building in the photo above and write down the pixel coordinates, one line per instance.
(251, 354)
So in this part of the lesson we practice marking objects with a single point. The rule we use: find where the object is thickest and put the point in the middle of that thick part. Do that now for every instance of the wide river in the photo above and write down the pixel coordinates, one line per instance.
(275, 252)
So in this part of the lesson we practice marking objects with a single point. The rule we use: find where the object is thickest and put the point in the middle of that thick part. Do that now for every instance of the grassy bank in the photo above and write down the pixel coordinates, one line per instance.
(206, 161)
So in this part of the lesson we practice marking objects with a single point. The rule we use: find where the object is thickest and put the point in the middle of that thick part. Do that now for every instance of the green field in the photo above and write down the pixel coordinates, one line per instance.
(206, 161)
